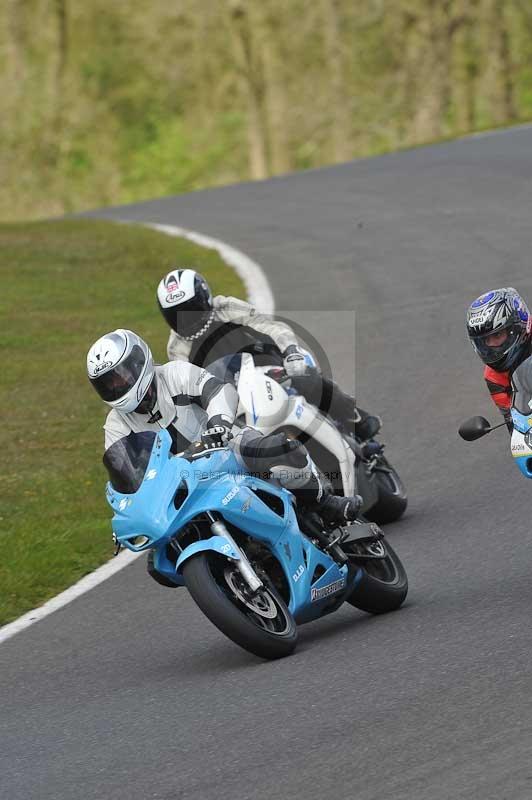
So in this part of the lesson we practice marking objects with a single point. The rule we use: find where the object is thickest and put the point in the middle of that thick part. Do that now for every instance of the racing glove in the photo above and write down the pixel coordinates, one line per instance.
(294, 361)
(217, 433)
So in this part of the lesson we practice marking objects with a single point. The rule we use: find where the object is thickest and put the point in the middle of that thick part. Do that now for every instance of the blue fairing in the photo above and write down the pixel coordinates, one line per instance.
(217, 483)
(522, 424)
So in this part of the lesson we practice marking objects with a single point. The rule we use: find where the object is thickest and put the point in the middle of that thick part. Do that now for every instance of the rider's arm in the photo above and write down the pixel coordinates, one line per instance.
(115, 428)
(177, 348)
(500, 389)
(231, 309)
(192, 384)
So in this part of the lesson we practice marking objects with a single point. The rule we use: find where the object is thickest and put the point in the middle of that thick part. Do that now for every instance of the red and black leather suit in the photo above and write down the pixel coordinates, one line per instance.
(500, 388)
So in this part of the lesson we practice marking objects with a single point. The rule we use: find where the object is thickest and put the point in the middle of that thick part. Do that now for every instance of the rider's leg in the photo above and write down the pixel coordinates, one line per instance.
(287, 460)
(332, 400)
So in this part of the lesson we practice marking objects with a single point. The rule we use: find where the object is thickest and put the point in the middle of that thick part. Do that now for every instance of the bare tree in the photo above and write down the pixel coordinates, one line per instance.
(339, 92)
(61, 11)
(504, 100)
(270, 25)
(250, 69)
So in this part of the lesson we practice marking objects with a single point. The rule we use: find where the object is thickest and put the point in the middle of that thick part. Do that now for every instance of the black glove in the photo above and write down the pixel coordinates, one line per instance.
(217, 433)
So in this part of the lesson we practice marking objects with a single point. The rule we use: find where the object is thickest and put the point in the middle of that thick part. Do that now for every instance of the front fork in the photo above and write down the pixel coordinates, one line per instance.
(242, 564)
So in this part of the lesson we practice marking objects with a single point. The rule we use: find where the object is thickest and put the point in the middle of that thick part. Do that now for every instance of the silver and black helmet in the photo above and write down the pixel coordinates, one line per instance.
(121, 369)
(499, 328)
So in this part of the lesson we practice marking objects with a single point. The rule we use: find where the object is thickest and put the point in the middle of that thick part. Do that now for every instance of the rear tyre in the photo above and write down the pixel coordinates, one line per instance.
(392, 500)
(383, 586)
(261, 624)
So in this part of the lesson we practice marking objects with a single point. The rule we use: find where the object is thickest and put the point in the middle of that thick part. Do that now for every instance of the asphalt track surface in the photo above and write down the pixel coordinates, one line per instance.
(130, 693)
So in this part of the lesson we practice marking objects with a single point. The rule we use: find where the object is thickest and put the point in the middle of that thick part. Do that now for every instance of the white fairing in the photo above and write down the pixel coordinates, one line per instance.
(268, 407)
(262, 400)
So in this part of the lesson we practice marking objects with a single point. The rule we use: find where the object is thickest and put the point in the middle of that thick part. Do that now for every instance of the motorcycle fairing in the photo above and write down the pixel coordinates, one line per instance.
(216, 482)
(521, 441)
(268, 408)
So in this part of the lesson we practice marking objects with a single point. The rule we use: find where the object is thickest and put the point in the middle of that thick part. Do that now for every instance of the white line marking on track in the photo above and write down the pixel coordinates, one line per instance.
(84, 585)
(257, 287)
(259, 293)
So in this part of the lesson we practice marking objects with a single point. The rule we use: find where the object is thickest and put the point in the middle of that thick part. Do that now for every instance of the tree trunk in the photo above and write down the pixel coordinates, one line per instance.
(505, 109)
(465, 89)
(276, 104)
(251, 72)
(340, 97)
(430, 122)
(16, 42)
(62, 27)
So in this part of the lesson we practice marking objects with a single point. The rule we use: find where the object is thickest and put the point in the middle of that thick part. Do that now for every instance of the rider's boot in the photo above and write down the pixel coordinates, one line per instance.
(363, 425)
(336, 510)
(322, 519)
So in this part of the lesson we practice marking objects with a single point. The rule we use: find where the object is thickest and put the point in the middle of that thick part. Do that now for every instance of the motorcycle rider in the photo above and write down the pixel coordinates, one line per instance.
(205, 328)
(499, 326)
(191, 404)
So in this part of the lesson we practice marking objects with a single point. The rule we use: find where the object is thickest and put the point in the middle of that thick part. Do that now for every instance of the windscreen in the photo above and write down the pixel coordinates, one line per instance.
(522, 384)
(126, 461)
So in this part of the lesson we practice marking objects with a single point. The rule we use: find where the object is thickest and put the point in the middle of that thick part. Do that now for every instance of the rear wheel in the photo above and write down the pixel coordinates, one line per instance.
(392, 500)
(384, 585)
(260, 623)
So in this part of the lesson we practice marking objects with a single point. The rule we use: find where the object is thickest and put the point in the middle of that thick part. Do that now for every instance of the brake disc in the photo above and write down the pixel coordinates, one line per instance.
(260, 603)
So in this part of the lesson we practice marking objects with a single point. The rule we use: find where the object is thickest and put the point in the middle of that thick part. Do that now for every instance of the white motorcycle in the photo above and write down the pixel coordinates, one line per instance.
(269, 404)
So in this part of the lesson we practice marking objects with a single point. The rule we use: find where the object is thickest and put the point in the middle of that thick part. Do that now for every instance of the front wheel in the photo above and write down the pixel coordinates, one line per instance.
(260, 623)
(384, 585)
(392, 499)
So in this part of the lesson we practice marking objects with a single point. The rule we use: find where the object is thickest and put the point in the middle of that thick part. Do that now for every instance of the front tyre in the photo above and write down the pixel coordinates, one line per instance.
(384, 585)
(392, 499)
(261, 623)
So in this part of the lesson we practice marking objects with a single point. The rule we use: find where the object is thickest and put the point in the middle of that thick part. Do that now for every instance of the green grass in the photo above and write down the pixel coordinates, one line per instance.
(64, 284)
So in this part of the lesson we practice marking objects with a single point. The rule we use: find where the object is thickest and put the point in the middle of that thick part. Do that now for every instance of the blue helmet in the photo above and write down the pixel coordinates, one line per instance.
(499, 327)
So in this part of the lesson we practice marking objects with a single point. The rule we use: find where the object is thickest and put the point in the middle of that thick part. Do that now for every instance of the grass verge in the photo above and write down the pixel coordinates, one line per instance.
(64, 284)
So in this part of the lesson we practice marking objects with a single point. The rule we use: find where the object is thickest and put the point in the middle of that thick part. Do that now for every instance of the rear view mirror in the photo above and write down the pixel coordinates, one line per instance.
(474, 428)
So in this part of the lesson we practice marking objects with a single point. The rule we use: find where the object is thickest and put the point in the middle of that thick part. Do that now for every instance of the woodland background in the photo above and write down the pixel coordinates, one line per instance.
(111, 101)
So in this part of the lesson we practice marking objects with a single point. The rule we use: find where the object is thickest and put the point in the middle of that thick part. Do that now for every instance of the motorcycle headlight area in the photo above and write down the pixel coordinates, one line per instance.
(138, 541)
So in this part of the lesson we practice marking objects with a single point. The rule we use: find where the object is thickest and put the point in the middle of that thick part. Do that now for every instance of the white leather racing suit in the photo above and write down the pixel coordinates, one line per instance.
(188, 397)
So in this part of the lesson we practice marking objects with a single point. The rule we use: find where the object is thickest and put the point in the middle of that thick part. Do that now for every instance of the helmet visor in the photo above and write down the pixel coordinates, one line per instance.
(189, 317)
(493, 347)
(115, 383)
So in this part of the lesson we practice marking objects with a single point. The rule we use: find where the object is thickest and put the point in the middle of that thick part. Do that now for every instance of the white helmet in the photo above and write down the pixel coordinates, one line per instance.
(120, 367)
(185, 301)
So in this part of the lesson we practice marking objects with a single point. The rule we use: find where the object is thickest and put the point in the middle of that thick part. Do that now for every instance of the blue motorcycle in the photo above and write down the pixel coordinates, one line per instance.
(254, 566)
